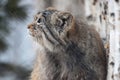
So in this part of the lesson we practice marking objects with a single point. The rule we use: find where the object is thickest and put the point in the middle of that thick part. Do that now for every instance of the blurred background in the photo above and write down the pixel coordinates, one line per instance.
(18, 51)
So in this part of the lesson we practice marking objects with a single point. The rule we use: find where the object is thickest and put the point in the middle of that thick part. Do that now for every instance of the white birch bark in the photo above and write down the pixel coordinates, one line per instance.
(114, 55)
(105, 15)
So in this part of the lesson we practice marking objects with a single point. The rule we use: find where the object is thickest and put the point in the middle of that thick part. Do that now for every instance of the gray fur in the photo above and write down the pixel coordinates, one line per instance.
(72, 50)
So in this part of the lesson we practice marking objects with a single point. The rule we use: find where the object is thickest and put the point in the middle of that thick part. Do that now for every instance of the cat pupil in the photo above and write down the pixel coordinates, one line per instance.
(39, 20)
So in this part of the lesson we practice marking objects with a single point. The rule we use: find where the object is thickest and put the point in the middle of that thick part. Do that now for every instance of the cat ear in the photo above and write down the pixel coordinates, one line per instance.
(66, 20)
(62, 22)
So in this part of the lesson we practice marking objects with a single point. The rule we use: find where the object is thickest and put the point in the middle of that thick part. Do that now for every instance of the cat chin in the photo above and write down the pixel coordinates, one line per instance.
(38, 40)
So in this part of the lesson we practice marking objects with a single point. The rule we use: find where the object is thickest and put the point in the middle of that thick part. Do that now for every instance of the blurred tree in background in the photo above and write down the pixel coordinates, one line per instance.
(10, 10)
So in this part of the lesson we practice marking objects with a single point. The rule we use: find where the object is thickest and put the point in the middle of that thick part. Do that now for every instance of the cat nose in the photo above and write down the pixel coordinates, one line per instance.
(30, 26)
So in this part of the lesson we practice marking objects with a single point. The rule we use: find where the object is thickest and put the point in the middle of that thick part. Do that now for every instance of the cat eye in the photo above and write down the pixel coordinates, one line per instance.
(39, 20)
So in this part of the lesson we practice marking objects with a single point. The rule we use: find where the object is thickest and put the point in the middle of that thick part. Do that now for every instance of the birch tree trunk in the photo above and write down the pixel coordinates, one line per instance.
(105, 15)
(114, 55)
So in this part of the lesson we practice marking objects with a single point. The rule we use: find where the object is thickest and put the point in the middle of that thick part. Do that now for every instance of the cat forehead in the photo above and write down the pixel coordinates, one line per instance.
(46, 12)
(50, 10)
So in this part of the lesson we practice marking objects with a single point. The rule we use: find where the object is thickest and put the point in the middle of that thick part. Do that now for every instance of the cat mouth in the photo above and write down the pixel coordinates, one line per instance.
(32, 32)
